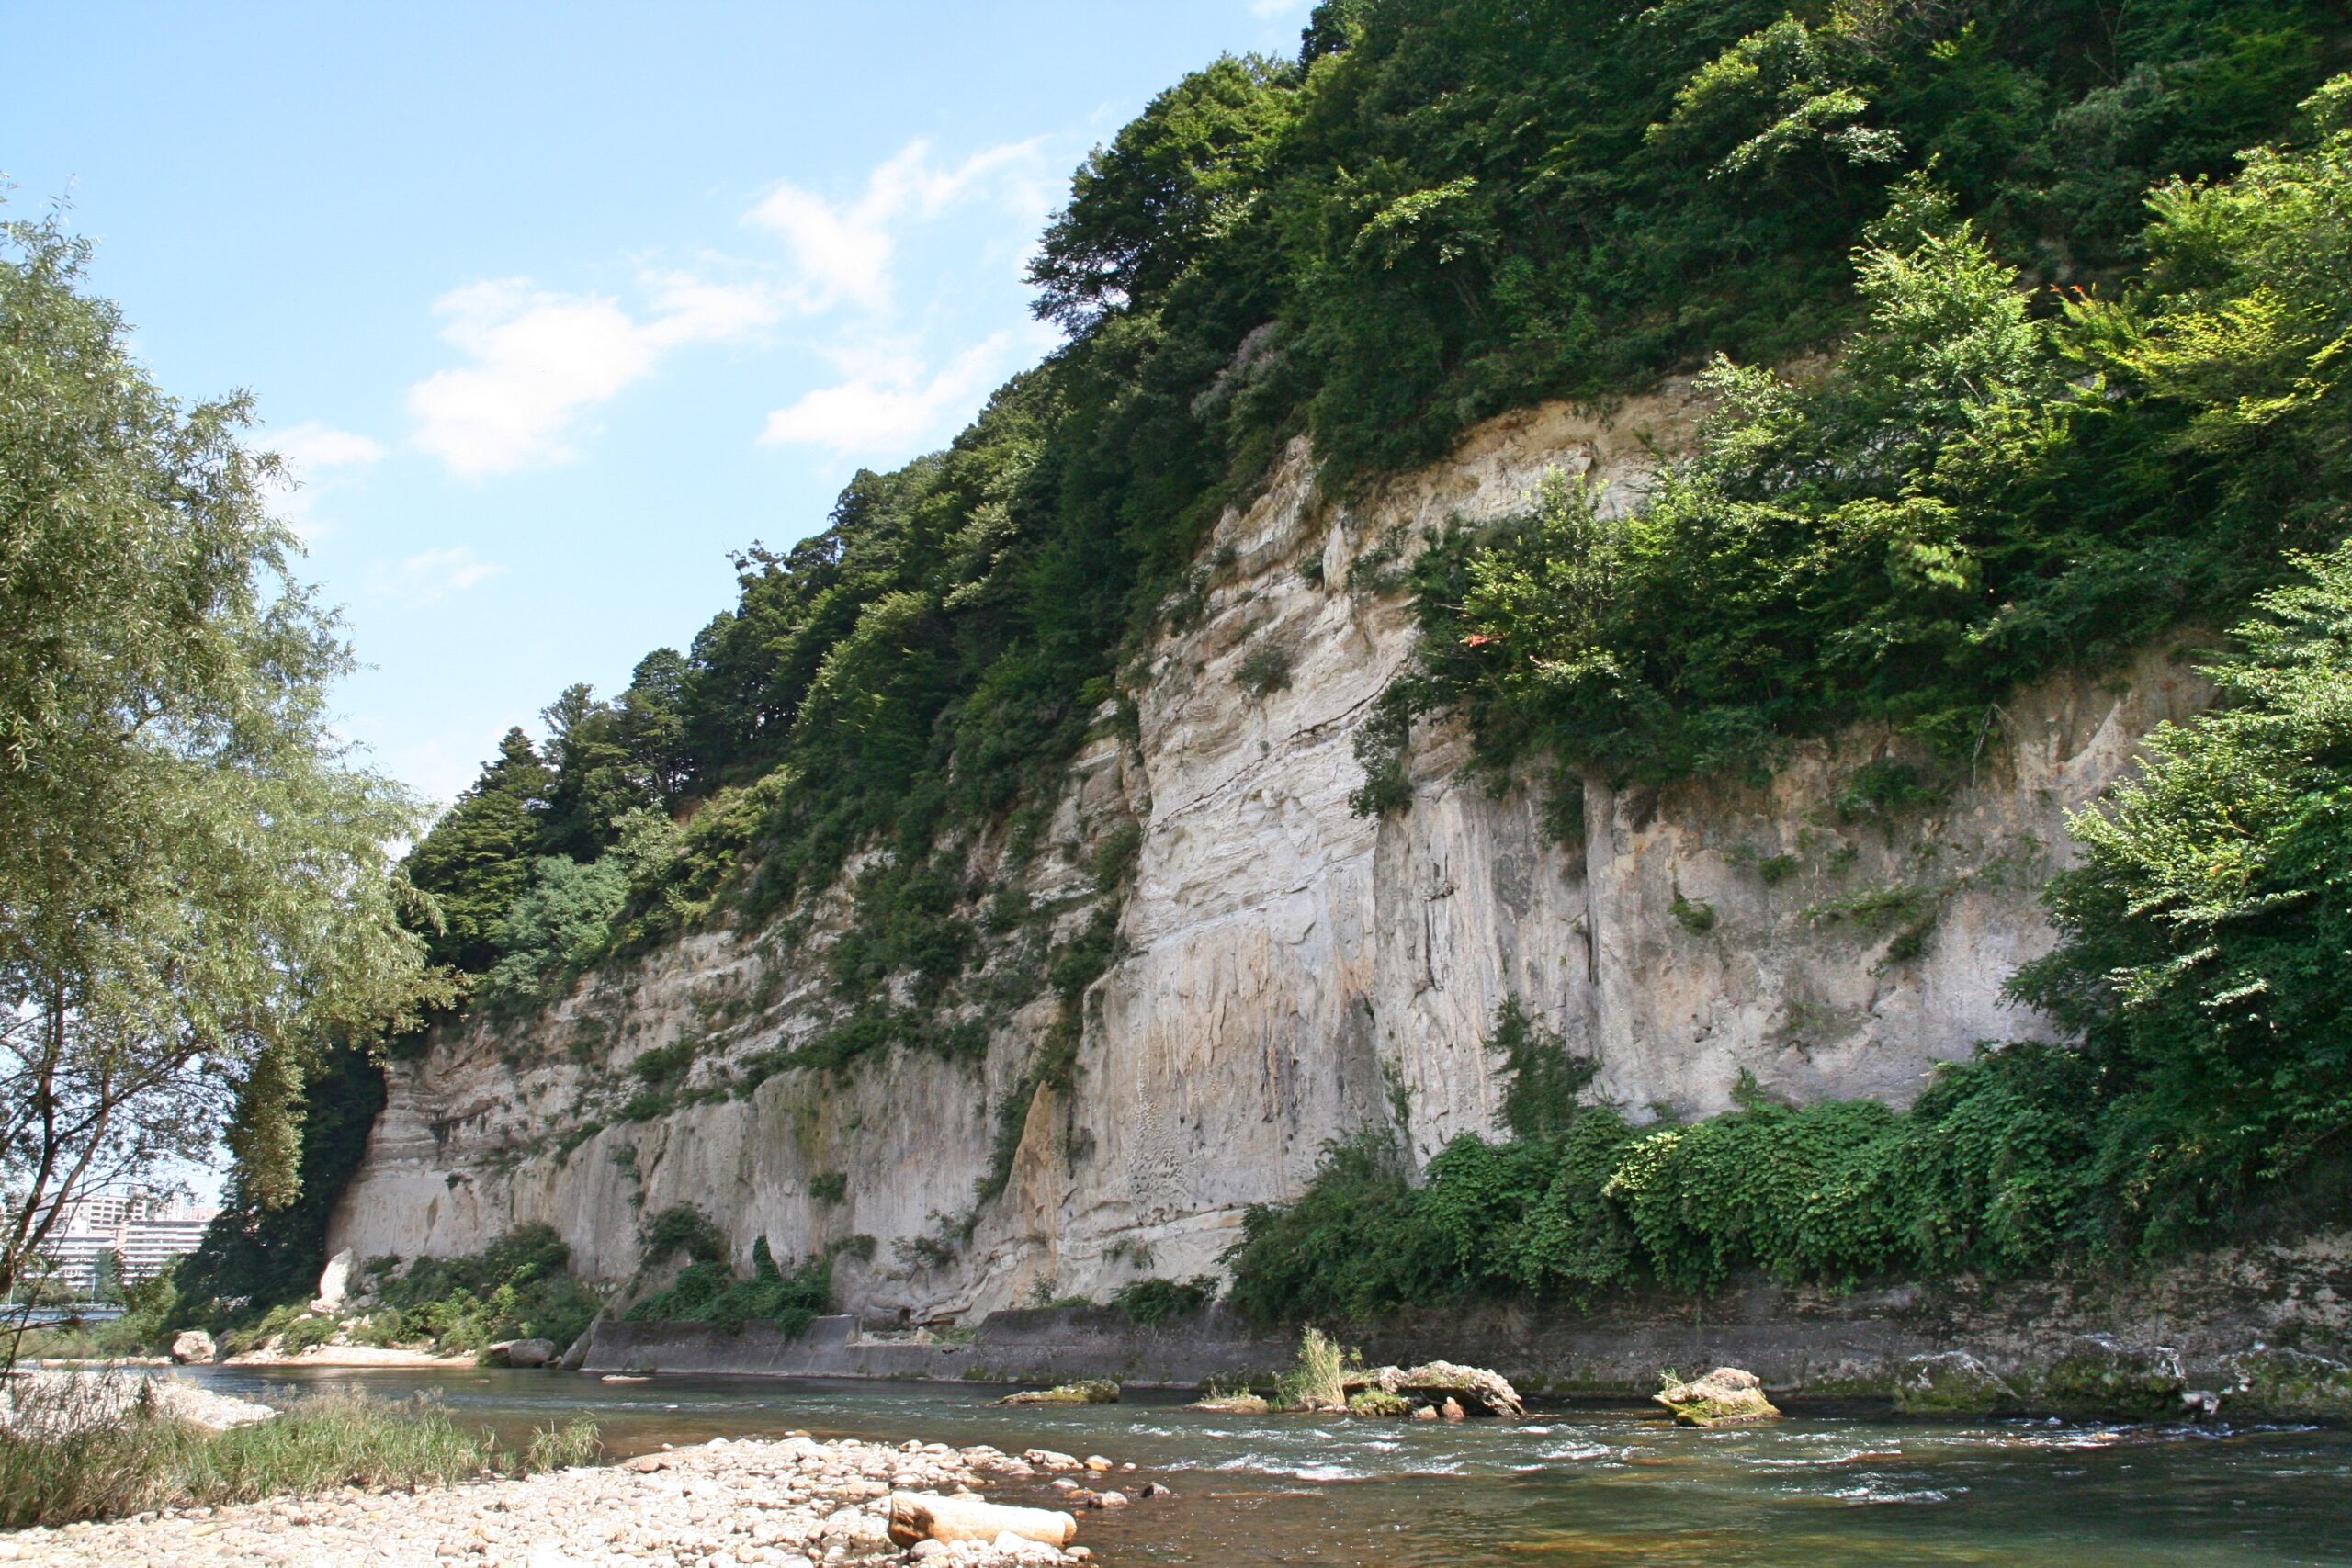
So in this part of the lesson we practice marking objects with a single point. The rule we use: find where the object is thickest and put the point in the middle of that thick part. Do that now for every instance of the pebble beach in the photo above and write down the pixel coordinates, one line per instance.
(790, 1503)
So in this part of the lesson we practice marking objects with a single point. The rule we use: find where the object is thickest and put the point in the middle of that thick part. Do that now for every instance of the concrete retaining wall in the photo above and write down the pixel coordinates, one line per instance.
(2204, 1316)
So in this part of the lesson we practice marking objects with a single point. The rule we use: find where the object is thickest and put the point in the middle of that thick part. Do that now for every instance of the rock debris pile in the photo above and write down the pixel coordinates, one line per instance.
(793, 1503)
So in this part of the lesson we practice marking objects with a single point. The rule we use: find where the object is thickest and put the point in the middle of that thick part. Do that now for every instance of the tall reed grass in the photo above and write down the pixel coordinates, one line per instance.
(56, 1469)
(1317, 1381)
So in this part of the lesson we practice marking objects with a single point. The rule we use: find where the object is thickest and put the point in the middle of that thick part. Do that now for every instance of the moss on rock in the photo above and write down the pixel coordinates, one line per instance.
(2105, 1376)
(1086, 1391)
(1953, 1383)
(1725, 1397)
(1378, 1402)
(2289, 1385)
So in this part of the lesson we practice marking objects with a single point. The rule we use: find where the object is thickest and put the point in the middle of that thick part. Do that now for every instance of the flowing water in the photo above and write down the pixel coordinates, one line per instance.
(1567, 1486)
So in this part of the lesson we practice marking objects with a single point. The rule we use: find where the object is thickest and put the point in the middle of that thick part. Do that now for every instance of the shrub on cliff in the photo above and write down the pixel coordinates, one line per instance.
(708, 1291)
(1989, 1171)
(1150, 1302)
(2205, 934)
(2199, 973)
(521, 1287)
(1442, 210)
(1975, 492)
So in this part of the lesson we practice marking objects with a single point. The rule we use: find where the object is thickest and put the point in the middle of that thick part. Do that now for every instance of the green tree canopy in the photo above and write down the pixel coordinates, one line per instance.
(1174, 178)
(194, 892)
(2207, 934)
(477, 860)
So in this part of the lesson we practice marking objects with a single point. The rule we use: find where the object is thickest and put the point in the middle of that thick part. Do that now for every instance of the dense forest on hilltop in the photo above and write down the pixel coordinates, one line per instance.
(2064, 287)
(1438, 212)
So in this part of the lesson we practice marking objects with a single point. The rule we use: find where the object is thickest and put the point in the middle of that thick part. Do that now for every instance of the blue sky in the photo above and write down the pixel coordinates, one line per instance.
(552, 306)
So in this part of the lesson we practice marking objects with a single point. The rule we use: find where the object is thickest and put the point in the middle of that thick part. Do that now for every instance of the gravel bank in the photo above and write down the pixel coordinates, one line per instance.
(56, 1401)
(794, 1503)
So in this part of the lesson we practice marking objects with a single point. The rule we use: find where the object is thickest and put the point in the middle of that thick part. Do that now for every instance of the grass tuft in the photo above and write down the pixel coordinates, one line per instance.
(1316, 1380)
(56, 1472)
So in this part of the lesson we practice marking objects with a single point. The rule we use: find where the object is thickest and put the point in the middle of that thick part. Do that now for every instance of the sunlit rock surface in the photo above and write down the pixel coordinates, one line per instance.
(1290, 971)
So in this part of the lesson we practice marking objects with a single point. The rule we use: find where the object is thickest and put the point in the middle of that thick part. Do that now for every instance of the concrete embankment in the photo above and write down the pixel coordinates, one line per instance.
(2263, 1330)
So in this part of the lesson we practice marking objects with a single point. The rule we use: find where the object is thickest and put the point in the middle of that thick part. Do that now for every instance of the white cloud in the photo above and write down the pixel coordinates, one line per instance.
(843, 250)
(694, 309)
(889, 404)
(313, 452)
(310, 446)
(433, 576)
(541, 358)
(536, 361)
(1271, 9)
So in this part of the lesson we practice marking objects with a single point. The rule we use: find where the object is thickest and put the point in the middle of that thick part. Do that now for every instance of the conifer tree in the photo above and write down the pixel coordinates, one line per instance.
(477, 860)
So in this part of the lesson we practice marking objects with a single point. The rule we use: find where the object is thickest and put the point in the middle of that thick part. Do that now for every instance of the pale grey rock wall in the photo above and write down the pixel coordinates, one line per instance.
(1291, 972)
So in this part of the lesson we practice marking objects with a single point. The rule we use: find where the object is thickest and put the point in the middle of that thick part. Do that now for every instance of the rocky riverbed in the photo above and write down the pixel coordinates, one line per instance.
(793, 1503)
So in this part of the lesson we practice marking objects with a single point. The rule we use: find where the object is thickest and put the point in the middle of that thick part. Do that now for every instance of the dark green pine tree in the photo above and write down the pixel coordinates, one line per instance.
(651, 722)
(477, 859)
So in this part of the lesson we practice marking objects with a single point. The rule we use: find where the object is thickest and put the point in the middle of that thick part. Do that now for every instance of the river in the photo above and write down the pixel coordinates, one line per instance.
(1567, 1486)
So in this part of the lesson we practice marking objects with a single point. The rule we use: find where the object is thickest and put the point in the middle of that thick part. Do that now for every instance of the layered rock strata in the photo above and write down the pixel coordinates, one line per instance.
(1285, 971)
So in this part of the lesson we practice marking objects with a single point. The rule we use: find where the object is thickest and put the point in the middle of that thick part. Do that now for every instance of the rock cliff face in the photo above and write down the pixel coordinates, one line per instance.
(1286, 971)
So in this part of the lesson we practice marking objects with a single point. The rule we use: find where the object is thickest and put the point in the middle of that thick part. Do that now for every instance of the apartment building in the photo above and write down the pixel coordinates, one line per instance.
(144, 1228)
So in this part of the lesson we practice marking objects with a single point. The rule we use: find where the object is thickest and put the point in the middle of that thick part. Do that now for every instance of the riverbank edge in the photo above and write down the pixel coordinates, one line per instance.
(343, 1358)
(2258, 1332)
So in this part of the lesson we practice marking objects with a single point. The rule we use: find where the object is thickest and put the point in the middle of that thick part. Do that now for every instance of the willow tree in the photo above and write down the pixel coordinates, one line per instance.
(195, 895)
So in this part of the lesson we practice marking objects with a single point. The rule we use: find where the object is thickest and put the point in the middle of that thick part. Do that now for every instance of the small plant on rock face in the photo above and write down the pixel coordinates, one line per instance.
(1114, 858)
(924, 1251)
(1770, 870)
(1881, 790)
(1381, 744)
(829, 1186)
(1265, 669)
(1381, 569)
(681, 1228)
(1149, 1301)
(1692, 916)
(1910, 943)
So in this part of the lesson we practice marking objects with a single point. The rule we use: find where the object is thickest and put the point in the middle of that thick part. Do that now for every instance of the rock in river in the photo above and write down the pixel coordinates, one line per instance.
(1088, 1391)
(2101, 1375)
(1952, 1382)
(1475, 1390)
(2291, 1385)
(1725, 1397)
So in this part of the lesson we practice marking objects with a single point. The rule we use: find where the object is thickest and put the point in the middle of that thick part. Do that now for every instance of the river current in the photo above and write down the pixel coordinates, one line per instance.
(1570, 1486)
